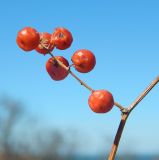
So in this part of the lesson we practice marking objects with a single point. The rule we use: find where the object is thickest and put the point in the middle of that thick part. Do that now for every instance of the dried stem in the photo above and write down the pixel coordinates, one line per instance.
(119, 106)
(125, 111)
(68, 69)
(80, 81)
(118, 136)
(143, 94)
(124, 118)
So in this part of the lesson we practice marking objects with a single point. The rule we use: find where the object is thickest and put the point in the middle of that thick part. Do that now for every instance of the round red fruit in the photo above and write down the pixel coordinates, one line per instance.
(101, 101)
(28, 38)
(44, 46)
(83, 60)
(61, 38)
(55, 70)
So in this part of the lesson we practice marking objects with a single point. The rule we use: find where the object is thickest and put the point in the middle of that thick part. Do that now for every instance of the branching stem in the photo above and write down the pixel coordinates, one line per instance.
(124, 118)
(125, 111)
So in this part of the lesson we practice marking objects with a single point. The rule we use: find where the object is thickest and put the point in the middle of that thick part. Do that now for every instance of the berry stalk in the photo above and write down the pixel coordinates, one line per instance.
(79, 80)
(68, 69)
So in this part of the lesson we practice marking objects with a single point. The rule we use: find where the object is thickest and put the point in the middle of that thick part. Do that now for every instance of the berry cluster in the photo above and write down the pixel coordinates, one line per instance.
(83, 60)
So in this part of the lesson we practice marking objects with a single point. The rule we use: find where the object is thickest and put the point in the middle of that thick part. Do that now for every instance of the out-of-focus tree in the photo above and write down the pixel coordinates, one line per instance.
(10, 112)
(41, 144)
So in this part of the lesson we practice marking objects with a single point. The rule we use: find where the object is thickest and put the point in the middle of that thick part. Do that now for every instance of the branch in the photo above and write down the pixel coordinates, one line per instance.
(143, 94)
(119, 106)
(80, 81)
(117, 137)
(126, 112)
(68, 69)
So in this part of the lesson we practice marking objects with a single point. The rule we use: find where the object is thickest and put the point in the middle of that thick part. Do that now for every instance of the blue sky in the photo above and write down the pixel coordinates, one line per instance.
(124, 36)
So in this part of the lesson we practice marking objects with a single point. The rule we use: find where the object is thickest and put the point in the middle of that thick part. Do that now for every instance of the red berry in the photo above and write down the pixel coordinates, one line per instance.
(83, 60)
(45, 39)
(61, 38)
(28, 38)
(56, 71)
(101, 101)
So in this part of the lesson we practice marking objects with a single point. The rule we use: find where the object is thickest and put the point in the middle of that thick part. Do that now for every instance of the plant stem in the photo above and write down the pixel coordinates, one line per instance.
(119, 106)
(125, 115)
(73, 75)
(80, 81)
(125, 111)
(143, 94)
(118, 136)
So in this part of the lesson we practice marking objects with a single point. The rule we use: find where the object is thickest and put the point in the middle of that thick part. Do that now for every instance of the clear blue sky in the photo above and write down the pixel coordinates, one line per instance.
(124, 36)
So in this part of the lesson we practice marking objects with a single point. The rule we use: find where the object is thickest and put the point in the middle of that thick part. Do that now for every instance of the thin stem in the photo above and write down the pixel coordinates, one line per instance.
(73, 75)
(80, 81)
(119, 106)
(143, 94)
(71, 65)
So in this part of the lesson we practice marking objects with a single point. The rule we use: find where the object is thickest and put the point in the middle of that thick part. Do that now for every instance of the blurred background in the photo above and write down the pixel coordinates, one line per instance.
(41, 119)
